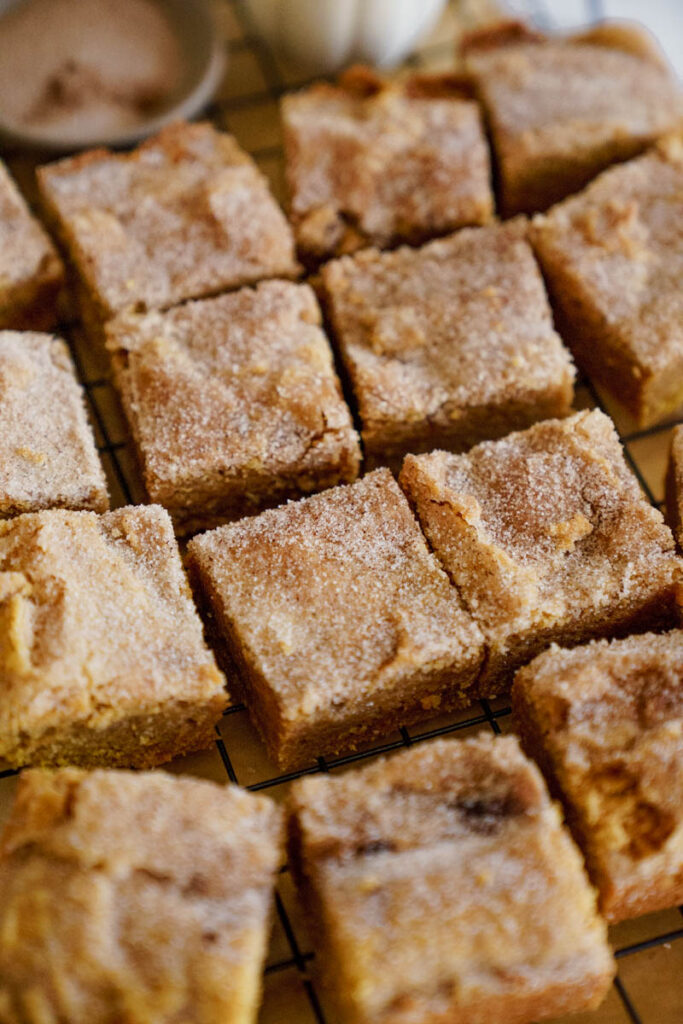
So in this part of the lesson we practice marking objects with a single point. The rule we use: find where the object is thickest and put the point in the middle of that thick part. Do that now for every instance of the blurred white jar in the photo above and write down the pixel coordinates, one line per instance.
(325, 35)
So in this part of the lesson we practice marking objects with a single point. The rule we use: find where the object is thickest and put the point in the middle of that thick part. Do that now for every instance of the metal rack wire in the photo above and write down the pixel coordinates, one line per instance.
(247, 107)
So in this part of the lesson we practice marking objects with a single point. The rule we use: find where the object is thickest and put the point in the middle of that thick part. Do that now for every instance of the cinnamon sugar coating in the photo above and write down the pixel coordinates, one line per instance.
(448, 344)
(341, 622)
(102, 654)
(137, 897)
(442, 887)
(547, 538)
(47, 451)
(373, 162)
(31, 272)
(233, 402)
(605, 721)
(613, 257)
(674, 484)
(560, 110)
(184, 215)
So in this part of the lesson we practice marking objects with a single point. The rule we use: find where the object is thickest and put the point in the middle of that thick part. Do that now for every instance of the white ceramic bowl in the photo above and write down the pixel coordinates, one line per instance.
(204, 58)
(325, 35)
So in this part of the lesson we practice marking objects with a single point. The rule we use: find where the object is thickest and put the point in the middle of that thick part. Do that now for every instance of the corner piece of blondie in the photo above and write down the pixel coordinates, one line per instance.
(135, 896)
(605, 722)
(441, 885)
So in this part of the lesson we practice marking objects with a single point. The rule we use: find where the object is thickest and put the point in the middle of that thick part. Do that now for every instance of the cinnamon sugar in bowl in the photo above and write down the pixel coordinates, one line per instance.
(82, 73)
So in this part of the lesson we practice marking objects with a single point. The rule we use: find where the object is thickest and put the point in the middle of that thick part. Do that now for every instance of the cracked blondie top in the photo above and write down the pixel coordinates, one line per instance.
(374, 162)
(674, 484)
(613, 257)
(47, 450)
(233, 402)
(448, 344)
(547, 537)
(31, 272)
(562, 109)
(442, 886)
(342, 623)
(102, 653)
(184, 215)
(606, 723)
(140, 896)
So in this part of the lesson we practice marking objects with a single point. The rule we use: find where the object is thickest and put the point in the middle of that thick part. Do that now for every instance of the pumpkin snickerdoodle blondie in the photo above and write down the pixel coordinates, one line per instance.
(48, 457)
(449, 344)
(613, 260)
(442, 887)
(186, 214)
(342, 624)
(233, 402)
(375, 162)
(562, 109)
(674, 484)
(547, 537)
(135, 896)
(102, 653)
(605, 722)
(31, 272)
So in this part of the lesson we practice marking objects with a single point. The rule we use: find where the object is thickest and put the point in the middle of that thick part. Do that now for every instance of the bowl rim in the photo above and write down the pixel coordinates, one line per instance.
(201, 88)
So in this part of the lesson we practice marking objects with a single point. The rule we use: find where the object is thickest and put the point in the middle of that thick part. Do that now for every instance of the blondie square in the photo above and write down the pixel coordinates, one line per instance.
(605, 722)
(102, 653)
(341, 622)
(449, 344)
(613, 258)
(31, 272)
(233, 402)
(442, 887)
(136, 897)
(674, 484)
(547, 538)
(373, 162)
(560, 110)
(184, 215)
(47, 451)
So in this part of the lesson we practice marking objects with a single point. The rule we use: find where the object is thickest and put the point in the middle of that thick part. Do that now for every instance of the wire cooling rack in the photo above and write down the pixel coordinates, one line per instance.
(648, 989)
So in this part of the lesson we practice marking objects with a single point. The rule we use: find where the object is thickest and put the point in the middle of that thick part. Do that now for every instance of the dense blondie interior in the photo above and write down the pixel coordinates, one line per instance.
(605, 721)
(442, 886)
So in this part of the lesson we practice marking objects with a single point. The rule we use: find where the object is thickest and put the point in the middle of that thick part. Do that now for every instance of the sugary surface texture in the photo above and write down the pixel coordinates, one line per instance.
(444, 888)
(96, 627)
(234, 401)
(607, 722)
(562, 110)
(450, 343)
(140, 897)
(339, 614)
(674, 484)
(184, 215)
(369, 162)
(31, 272)
(546, 534)
(614, 258)
(47, 450)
